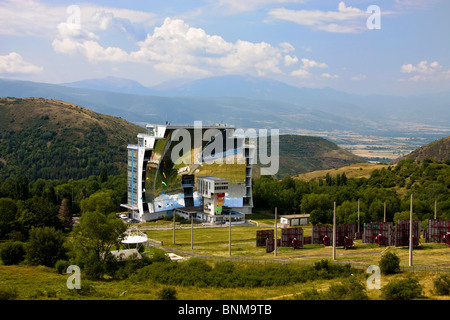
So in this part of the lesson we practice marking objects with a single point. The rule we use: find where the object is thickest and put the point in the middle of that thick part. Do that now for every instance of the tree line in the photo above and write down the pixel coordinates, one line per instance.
(428, 181)
(26, 204)
(36, 222)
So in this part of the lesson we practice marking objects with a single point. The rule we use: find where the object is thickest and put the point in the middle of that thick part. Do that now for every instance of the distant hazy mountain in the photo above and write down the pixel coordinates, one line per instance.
(238, 111)
(323, 99)
(250, 102)
(113, 84)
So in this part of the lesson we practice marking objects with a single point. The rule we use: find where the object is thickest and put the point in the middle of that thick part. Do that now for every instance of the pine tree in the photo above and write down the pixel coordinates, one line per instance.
(65, 214)
(344, 179)
(21, 188)
(104, 175)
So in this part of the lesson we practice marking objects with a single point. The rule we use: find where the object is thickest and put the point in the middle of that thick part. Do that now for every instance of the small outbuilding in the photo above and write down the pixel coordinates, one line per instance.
(126, 254)
(295, 220)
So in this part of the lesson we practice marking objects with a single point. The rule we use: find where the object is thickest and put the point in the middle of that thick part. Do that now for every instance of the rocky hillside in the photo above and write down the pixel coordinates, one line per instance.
(438, 150)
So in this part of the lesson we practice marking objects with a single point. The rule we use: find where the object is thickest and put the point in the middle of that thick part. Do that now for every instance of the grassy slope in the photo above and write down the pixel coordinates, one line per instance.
(357, 170)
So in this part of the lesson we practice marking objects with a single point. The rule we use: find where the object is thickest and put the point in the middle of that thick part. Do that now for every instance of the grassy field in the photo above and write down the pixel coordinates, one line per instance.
(357, 170)
(214, 242)
(42, 283)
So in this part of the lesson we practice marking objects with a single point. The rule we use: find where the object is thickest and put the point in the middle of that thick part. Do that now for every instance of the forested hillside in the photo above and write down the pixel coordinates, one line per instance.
(427, 180)
(50, 139)
(299, 154)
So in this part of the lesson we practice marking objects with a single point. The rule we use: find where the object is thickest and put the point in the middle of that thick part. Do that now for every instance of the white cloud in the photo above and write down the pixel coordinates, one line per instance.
(313, 64)
(14, 63)
(309, 64)
(177, 48)
(358, 77)
(301, 73)
(422, 67)
(37, 18)
(424, 71)
(287, 47)
(289, 60)
(237, 6)
(73, 40)
(344, 20)
(330, 76)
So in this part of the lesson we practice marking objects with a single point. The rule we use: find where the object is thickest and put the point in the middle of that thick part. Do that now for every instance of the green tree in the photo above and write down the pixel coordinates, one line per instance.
(65, 215)
(21, 188)
(103, 175)
(8, 210)
(101, 201)
(12, 252)
(45, 246)
(389, 263)
(320, 206)
(404, 215)
(345, 212)
(37, 212)
(93, 239)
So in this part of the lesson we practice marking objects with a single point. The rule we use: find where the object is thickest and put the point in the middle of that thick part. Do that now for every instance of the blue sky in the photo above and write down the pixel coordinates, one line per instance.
(306, 43)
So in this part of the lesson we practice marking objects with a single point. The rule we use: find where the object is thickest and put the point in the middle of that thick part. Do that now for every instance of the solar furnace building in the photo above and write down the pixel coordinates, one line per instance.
(172, 166)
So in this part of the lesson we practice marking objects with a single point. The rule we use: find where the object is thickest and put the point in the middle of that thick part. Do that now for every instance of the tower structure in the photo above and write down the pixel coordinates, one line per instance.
(163, 173)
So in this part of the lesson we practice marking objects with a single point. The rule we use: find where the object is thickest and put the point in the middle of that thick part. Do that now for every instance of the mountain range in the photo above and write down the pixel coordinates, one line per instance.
(250, 102)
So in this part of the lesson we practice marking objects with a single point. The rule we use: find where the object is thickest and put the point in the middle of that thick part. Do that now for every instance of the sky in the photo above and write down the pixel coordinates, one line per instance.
(398, 47)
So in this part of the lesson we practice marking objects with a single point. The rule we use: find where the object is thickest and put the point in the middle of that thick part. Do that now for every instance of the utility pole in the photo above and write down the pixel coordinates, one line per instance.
(435, 209)
(173, 212)
(411, 233)
(229, 238)
(275, 240)
(192, 231)
(385, 212)
(334, 232)
(358, 216)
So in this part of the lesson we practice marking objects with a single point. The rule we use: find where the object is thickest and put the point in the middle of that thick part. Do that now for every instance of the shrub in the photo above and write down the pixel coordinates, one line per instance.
(196, 272)
(61, 266)
(348, 289)
(8, 293)
(442, 285)
(311, 294)
(12, 252)
(167, 293)
(46, 246)
(402, 289)
(389, 263)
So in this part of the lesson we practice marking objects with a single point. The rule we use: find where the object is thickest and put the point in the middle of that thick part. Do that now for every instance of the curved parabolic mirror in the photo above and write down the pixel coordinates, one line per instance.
(218, 155)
